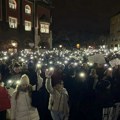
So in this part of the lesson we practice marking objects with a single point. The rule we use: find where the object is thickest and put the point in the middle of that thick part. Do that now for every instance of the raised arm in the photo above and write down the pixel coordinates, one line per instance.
(48, 83)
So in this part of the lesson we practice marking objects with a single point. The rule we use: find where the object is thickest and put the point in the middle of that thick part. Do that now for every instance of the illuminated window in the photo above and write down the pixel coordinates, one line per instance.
(27, 9)
(12, 22)
(28, 25)
(44, 27)
(12, 4)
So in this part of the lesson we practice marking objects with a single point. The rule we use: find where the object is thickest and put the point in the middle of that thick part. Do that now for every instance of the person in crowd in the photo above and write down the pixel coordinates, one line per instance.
(4, 100)
(21, 108)
(71, 84)
(104, 96)
(116, 75)
(14, 76)
(58, 101)
(4, 70)
(32, 73)
(104, 89)
(100, 71)
(92, 79)
(44, 98)
(92, 108)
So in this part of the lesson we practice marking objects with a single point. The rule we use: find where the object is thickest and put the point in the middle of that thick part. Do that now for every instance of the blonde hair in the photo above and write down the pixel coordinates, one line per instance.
(18, 89)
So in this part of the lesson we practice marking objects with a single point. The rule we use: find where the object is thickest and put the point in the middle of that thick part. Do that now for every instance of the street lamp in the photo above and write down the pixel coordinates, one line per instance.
(77, 46)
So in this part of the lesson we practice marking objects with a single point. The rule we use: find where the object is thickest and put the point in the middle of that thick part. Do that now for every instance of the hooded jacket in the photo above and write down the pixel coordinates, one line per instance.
(58, 100)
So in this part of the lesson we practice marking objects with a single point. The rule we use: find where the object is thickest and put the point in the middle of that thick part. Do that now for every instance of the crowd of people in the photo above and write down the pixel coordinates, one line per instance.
(69, 84)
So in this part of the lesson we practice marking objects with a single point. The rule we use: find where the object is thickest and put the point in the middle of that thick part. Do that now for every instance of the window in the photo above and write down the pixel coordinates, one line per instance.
(12, 22)
(12, 4)
(44, 27)
(28, 25)
(27, 9)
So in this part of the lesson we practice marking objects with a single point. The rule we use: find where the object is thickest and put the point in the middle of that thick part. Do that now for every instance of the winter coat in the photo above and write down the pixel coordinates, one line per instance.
(21, 108)
(58, 101)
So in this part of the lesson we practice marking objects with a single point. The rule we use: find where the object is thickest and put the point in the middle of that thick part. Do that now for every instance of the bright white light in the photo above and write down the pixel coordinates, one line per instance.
(60, 46)
(58, 62)
(110, 69)
(65, 62)
(18, 82)
(9, 81)
(5, 58)
(90, 63)
(11, 54)
(115, 48)
(31, 57)
(82, 74)
(51, 69)
(105, 65)
(38, 65)
(51, 62)
(75, 64)
(22, 60)
(80, 62)
(104, 46)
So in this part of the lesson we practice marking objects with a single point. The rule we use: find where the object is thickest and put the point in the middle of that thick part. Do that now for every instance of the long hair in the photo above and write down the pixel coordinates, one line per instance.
(18, 89)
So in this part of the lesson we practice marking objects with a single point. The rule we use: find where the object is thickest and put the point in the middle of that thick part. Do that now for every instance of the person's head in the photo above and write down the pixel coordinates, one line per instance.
(59, 86)
(24, 85)
(59, 68)
(16, 68)
(93, 72)
(109, 72)
(24, 81)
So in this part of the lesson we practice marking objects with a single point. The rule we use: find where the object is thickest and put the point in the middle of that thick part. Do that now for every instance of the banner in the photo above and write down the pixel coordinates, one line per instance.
(97, 58)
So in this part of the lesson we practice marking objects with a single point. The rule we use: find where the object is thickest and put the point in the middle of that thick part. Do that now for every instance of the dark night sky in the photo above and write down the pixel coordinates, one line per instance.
(84, 16)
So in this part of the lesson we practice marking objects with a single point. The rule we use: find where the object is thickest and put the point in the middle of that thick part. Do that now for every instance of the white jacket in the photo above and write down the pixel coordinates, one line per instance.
(21, 108)
(58, 101)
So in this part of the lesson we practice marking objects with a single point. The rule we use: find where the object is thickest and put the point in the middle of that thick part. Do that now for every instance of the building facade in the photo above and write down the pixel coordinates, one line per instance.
(115, 31)
(25, 24)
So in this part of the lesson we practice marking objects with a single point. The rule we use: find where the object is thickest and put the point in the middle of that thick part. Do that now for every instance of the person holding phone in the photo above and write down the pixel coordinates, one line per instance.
(58, 100)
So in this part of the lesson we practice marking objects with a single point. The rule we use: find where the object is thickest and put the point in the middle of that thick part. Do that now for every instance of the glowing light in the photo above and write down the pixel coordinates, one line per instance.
(82, 75)
(9, 81)
(90, 63)
(105, 65)
(60, 46)
(38, 65)
(18, 82)
(5, 58)
(51, 69)
(75, 64)
(110, 69)
(65, 62)
(51, 62)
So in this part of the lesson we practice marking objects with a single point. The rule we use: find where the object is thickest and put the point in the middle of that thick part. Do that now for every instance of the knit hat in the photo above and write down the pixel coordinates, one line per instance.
(24, 80)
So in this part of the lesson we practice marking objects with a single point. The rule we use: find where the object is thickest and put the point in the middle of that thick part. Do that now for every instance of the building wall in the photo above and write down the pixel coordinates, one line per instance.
(0, 10)
(25, 16)
(22, 37)
(13, 12)
(115, 31)
(44, 37)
